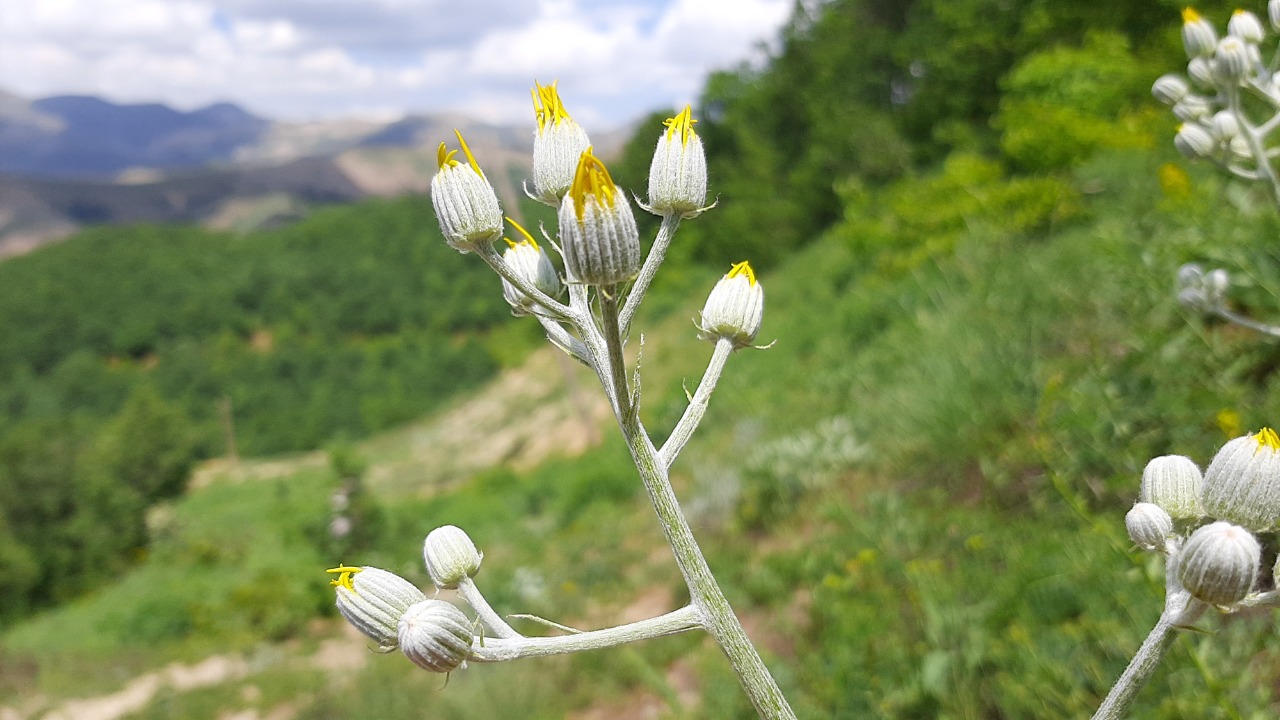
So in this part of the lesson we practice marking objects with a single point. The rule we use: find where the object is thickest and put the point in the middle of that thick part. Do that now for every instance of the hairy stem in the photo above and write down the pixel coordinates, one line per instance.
(697, 404)
(651, 262)
(501, 649)
(492, 620)
(613, 341)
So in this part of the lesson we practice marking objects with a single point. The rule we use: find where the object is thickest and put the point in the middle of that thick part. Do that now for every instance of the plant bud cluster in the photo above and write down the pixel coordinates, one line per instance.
(1209, 101)
(1218, 563)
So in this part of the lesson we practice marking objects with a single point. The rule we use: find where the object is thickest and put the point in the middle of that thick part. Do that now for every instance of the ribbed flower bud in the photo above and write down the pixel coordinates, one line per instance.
(1224, 125)
(1169, 89)
(1231, 60)
(1174, 483)
(1246, 26)
(1219, 563)
(465, 203)
(1192, 107)
(678, 173)
(1200, 72)
(1198, 36)
(557, 144)
(1273, 14)
(435, 635)
(735, 307)
(373, 600)
(1149, 526)
(597, 230)
(1216, 284)
(1193, 141)
(1242, 484)
(529, 261)
(450, 556)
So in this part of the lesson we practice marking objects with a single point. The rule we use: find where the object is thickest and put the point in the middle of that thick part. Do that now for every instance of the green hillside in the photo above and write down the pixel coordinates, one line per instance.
(915, 499)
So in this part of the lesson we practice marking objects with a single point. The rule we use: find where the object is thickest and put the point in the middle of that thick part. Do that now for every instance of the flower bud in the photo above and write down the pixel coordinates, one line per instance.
(1193, 299)
(1223, 125)
(1200, 72)
(1198, 36)
(1169, 89)
(1193, 141)
(1219, 563)
(465, 203)
(1149, 526)
(1173, 483)
(678, 173)
(1192, 107)
(1216, 284)
(1242, 484)
(435, 635)
(1246, 26)
(530, 262)
(1190, 275)
(1273, 14)
(1231, 60)
(373, 600)
(1239, 148)
(735, 307)
(450, 556)
(597, 230)
(557, 144)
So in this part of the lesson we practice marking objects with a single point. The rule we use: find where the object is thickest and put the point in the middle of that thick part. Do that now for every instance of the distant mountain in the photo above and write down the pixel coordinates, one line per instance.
(89, 138)
(71, 161)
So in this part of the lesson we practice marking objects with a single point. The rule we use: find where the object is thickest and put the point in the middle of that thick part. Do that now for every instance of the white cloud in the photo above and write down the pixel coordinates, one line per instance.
(302, 59)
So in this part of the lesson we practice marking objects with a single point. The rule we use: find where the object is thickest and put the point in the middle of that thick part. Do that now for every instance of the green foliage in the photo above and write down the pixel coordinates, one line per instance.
(917, 219)
(1063, 104)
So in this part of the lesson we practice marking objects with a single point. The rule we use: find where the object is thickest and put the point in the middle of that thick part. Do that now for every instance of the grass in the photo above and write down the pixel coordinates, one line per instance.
(915, 499)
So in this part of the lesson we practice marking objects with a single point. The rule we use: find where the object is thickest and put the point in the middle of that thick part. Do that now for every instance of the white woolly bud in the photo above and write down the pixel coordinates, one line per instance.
(1231, 60)
(597, 230)
(1198, 36)
(735, 307)
(557, 144)
(1219, 563)
(1174, 483)
(1200, 72)
(529, 261)
(1169, 89)
(464, 201)
(1149, 526)
(1242, 484)
(678, 173)
(436, 636)
(1224, 125)
(1193, 141)
(373, 600)
(1192, 107)
(450, 556)
(1216, 284)
(1273, 14)
(1246, 26)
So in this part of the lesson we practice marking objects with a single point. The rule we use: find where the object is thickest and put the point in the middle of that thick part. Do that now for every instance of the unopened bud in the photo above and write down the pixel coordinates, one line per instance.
(1219, 563)
(373, 600)
(464, 201)
(1198, 36)
(1149, 526)
(1174, 483)
(1216, 284)
(1273, 14)
(735, 307)
(529, 261)
(1169, 89)
(1200, 72)
(1246, 26)
(1231, 60)
(435, 635)
(450, 556)
(1192, 107)
(1224, 125)
(597, 230)
(678, 173)
(557, 144)
(1242, 484)
(1193, 141)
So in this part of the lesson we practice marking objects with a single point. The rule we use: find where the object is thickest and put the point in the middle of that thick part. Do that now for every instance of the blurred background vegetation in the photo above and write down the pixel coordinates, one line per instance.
(967, 215)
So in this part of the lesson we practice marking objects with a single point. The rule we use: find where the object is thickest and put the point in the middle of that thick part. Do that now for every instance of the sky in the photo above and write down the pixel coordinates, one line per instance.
(300, 60)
